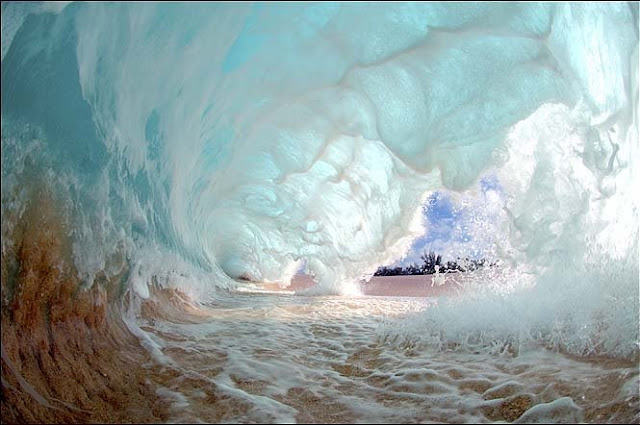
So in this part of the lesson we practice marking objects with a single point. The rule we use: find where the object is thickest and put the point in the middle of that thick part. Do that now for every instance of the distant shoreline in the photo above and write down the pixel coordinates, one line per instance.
(393, 286)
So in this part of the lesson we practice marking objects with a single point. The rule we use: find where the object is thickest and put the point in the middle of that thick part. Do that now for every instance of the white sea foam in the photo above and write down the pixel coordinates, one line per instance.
(269, 358)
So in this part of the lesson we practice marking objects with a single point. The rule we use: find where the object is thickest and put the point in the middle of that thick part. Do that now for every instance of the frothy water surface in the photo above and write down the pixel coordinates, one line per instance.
(286, 358)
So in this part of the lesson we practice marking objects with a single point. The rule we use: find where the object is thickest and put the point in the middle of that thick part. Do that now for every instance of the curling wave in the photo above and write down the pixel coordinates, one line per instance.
(191, 146)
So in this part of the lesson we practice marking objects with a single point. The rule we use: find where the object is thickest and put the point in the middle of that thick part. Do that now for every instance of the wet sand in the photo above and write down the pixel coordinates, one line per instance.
(395, 286)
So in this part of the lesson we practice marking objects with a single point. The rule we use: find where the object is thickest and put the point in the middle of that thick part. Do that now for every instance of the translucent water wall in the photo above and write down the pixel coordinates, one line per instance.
(201, 142)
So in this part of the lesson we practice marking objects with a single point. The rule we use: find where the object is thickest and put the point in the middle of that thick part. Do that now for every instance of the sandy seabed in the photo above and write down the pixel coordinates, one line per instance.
(75, 355)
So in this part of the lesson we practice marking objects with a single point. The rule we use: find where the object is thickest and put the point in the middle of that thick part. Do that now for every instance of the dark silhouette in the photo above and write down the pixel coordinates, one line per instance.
(431, 261)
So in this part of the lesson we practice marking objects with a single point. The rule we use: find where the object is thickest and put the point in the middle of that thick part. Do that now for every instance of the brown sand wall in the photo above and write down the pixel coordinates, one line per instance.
(67, 356)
